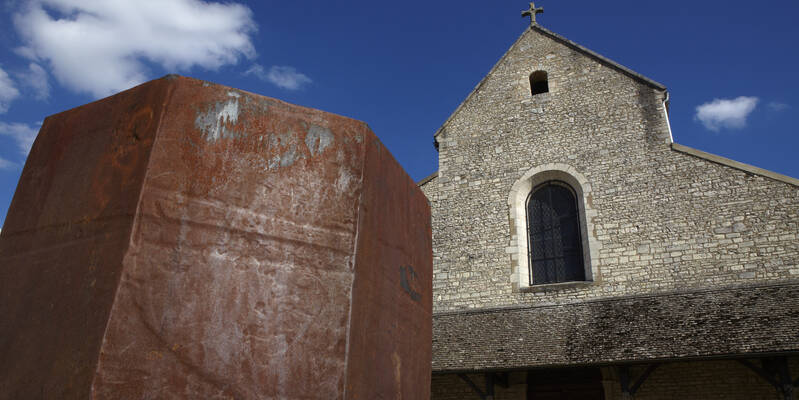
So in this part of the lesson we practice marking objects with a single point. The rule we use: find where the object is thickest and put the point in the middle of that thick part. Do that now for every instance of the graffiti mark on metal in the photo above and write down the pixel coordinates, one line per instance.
(408, 278)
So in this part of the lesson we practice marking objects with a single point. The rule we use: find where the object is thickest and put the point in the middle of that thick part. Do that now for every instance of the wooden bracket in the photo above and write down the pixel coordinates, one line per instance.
(775, 371)
(624, 379)
(490, 378)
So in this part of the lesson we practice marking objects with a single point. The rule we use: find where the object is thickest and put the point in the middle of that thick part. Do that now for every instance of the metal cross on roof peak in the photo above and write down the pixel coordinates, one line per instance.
(532, 12)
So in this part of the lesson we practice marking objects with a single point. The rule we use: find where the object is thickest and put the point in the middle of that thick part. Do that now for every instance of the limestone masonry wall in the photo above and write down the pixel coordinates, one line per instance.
(662, 220)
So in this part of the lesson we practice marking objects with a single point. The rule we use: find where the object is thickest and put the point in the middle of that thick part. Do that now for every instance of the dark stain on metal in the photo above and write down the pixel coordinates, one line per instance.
(407, 278)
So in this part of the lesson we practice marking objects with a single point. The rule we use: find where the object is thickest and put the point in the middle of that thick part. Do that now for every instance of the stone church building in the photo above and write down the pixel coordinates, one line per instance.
(579, 253)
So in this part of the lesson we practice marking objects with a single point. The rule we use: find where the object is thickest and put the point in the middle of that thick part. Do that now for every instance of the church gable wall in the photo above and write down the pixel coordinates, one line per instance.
(661, 220)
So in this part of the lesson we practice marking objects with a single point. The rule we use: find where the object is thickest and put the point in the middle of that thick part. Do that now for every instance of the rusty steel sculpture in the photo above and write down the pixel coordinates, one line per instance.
(183, 239)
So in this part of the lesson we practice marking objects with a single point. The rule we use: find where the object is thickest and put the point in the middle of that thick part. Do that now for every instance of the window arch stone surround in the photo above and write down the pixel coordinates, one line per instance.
(517, 199)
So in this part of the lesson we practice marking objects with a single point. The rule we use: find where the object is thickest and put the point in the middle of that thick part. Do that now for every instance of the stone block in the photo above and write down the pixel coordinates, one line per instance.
(187, 240)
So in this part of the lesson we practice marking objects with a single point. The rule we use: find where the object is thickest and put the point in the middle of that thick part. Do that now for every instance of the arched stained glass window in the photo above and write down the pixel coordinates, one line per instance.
(555, 243)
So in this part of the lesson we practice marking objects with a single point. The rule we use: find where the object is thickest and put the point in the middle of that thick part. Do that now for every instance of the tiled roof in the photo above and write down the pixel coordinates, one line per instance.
(705, 324)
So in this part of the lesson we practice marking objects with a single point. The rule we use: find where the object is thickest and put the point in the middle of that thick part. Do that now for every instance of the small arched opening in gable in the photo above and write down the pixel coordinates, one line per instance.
(539, 83)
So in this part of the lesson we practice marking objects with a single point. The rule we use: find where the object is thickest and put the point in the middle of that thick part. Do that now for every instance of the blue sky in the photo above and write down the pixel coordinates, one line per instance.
(402, 67)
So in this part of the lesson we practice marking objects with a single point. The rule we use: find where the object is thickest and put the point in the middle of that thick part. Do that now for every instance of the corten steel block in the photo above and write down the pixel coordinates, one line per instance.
(187, 240)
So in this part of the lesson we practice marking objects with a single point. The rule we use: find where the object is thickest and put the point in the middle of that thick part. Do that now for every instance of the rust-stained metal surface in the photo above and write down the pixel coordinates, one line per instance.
(196, 241)
(64, 239)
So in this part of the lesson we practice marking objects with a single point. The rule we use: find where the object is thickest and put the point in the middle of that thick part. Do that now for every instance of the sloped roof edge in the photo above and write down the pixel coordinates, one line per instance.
(566, 42)
(735, 164)
(600, 58)
(479, 84)
(427, 179)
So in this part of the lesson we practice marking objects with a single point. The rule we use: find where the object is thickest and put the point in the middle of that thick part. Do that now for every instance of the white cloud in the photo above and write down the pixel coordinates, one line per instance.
(5, 164)
(23, 134)
(36, 78)
(7, 91)
(283, 76)
(726, 113)
(102, 46)
(777, 106)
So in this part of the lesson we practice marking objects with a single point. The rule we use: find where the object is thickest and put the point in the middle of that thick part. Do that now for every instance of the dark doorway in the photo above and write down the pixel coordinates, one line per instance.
(565, 384)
